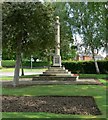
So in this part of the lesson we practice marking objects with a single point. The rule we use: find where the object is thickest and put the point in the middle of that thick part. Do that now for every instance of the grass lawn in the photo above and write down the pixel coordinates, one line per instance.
(97, 91)
(97, 76)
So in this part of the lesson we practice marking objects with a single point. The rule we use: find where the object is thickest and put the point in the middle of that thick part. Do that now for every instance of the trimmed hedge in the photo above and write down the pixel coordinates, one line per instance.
(87, 67)
(8, 63)
(35, 64)
(11, 63)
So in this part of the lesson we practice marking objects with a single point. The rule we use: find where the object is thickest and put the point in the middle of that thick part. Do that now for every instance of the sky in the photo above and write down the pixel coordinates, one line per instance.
(79, 40)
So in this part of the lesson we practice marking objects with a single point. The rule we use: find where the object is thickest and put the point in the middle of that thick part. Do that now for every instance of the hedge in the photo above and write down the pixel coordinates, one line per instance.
(87, 67)
(8, 63)
(35, 64)
(11, 63)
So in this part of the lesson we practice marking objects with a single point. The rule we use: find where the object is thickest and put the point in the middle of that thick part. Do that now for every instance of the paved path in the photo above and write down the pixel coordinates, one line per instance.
(28, 81)
(2, 73)
(12, 73)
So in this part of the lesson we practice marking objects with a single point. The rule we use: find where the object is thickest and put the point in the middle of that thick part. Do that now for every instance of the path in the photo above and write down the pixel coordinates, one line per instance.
(28, 81)
(2, 73)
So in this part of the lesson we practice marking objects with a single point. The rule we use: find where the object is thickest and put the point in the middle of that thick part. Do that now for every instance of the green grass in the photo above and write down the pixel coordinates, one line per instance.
(97, 91)
(6, 78)
(46, 116)
(10, 78)
(98, 76)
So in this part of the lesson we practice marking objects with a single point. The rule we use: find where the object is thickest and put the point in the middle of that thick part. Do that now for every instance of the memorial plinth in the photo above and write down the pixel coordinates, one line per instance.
(57, 71)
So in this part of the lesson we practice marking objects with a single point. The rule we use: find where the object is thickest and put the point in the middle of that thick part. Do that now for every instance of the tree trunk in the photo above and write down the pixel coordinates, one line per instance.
(17, 70)
(106, 50)
(97, 67)
(0, 64)
(0, 57)
(22, 70)
(96, 64)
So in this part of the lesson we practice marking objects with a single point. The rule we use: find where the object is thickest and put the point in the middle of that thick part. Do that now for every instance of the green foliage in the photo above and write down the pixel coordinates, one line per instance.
(8, 54)
(0, 67)
(11, 63)
(89, 20)
(87, 67)
(27, 26)
(35, 64)
(8, 63)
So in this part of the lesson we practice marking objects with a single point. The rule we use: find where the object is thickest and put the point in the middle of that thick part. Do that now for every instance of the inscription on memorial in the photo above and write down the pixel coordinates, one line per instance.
(56, 60)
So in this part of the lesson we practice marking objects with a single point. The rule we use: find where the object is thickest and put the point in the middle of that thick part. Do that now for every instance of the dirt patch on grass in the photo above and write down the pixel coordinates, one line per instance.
(83, 105)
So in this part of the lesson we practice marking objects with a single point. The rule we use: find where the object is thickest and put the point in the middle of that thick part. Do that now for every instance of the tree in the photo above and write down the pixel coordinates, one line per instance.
(27, 27)
(88, 21)
(0, 34)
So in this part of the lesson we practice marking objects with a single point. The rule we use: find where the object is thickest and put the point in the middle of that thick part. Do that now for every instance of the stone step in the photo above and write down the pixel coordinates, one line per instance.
(56, 71)
(55, 74)
(57, 78)
(56, 68)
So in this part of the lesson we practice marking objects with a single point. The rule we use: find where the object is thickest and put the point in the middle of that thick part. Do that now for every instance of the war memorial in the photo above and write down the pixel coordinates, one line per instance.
(56, 71)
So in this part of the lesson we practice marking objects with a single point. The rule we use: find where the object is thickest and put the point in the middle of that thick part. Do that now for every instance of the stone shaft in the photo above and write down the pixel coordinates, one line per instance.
(57, 57)
(57, 36)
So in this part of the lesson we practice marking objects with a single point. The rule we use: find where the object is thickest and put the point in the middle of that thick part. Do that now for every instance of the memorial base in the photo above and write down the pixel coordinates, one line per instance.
(56, 73)
(57, 60)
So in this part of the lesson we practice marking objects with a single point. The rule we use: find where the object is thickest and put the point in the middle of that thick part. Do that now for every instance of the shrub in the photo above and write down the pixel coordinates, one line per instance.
(87, 67)
(8, 63)
(0, 67)
(11, 63)
(35, 64)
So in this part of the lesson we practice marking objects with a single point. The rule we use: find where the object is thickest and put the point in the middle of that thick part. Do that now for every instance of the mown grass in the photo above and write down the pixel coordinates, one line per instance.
(97, 76)
(97, 91)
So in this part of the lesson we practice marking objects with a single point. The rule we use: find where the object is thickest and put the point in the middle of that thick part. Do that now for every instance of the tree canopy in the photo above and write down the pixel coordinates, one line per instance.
(27, 27)
(29, 23)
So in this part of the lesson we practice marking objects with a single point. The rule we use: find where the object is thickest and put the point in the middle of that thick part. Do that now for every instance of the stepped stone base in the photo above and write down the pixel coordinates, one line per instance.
(56, 73)
(52, 78)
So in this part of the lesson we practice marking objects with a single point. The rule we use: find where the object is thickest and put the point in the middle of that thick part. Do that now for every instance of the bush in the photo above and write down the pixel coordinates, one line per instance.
(0, 67)
(8, 63)
(35, 64)
(11, 63)
(87, 67)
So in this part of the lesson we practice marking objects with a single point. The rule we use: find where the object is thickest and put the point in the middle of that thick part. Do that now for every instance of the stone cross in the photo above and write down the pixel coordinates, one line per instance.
(57, 57)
